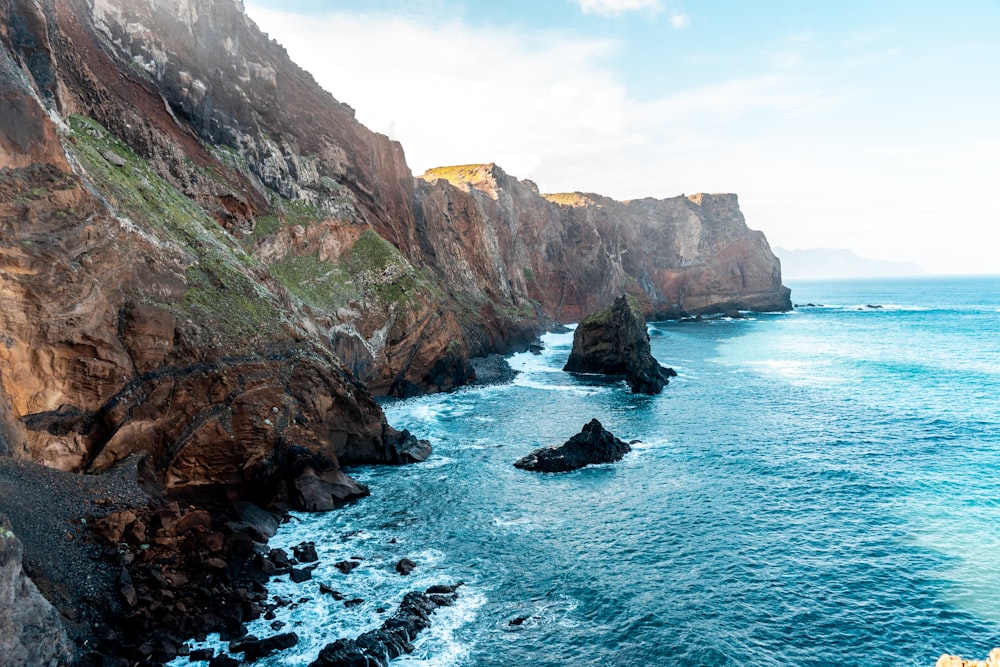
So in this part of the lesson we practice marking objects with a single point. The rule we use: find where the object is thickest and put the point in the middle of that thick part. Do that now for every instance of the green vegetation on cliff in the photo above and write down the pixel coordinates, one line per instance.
(575, 199)
(319, 284)
(221, 294)
(372, 271)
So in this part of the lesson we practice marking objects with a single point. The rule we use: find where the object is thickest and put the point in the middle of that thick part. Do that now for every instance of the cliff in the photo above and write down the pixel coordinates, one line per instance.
(570, 254)
(206, 258)
(133, 318)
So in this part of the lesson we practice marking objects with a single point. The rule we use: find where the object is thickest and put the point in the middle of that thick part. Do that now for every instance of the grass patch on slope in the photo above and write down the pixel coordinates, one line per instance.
(220, 293)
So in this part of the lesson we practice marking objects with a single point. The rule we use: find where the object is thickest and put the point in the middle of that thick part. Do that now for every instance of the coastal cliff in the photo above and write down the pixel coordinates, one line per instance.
(205, 259)
(200, 245)
(572, 253)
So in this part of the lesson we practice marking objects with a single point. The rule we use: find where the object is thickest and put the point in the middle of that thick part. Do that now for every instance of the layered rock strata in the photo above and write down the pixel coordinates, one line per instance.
(592, 445)
(614, 341)
(572, 253)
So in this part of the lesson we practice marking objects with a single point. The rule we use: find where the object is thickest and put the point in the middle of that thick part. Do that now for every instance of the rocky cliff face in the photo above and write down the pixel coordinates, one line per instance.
(205, 257)
(572, 253)
(30, 630)
(132, 320)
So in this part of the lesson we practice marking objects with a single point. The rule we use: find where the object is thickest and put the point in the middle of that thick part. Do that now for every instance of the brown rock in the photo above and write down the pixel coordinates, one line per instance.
(615, 342)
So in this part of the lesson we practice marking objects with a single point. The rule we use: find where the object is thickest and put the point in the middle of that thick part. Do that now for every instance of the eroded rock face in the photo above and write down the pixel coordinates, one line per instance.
(31, 632)
(132, 322)
(573, 253)
(592, 445)
(192, 231)
(615, 342)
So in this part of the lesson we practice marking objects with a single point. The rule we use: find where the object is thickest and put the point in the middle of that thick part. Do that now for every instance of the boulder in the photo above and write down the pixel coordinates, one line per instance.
(594, 444)
(30, 630)
(305, 552)
(405, 566)
(614, 341)
(254, 649)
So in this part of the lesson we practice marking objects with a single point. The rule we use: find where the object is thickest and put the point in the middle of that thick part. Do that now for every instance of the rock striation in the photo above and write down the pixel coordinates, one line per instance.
(614, 341)
(572, 253)
(592, 445)
(31, 633)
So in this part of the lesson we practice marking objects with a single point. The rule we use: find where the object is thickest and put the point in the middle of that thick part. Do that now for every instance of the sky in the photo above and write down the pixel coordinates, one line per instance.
(870, 125)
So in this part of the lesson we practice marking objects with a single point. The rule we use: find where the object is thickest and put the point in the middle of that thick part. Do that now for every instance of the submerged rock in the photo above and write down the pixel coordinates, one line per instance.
(615, 342)
(594, 444)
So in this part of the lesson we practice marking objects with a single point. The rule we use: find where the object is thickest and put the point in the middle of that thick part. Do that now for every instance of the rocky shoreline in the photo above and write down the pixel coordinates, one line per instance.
(136, 578)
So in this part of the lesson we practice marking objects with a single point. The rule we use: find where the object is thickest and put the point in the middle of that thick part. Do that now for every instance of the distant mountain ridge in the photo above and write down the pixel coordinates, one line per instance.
(810, 263)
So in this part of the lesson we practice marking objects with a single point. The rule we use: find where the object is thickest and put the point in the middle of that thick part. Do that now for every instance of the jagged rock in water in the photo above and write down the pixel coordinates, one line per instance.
(31, 633)
(394, 638)
(594, 444)
(254, 649)
(615, 342)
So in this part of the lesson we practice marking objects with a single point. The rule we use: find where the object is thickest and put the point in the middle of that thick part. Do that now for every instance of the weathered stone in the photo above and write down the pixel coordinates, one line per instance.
(305, 552)
(405, 566)
(592, 445)
(614, 341)
(346, 566)
(299, 575)
(254, 649)
(31, 632)
(375, 648)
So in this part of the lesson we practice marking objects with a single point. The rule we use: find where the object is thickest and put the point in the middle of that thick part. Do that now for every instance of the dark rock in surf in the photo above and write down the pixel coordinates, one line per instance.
(377, 647)
(300, 575)
(346, 566)
(305, 552)
(594, 444)
(254, 649)
(405, 566)
(493, 369)
(615, 342)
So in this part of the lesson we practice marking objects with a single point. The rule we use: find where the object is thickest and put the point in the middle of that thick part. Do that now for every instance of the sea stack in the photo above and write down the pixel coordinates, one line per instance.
(594, 444)
(614, 341)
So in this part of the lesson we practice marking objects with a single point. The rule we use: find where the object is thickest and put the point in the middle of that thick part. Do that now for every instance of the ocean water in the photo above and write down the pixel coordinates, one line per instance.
(820, 487)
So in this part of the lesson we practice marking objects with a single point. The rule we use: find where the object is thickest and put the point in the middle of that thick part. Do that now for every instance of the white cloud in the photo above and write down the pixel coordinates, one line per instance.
(617, 7)
(454, 94)
(801, 144)
(680, 20)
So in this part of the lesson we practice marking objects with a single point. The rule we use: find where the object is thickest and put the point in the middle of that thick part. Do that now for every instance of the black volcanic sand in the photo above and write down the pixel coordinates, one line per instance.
(48, 510)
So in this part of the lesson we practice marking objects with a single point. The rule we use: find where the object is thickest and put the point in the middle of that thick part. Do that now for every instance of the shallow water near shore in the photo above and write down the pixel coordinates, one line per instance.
(816, 487)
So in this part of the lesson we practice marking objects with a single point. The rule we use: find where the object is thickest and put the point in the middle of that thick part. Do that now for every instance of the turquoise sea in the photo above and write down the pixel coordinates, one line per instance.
(820, 487)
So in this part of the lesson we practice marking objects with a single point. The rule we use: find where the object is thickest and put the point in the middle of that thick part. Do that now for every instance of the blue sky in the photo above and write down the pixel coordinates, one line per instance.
(870, 125)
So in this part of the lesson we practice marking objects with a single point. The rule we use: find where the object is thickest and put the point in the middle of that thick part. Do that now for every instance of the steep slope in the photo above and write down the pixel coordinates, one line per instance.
(572, 253)
(204, 255)
(131, 319)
